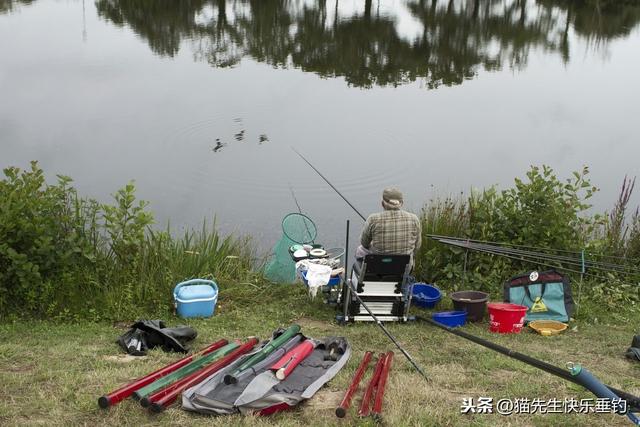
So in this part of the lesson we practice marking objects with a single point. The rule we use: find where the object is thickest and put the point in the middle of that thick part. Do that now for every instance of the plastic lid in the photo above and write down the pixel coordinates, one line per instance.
(192, 292)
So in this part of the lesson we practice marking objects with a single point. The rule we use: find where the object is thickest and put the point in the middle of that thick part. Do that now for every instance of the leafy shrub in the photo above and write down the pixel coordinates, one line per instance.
(42, 239)
(540, 211)
(68, 257)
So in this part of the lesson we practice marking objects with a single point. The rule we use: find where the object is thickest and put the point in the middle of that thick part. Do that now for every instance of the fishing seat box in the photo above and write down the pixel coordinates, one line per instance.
(195, 298)
(381, 282)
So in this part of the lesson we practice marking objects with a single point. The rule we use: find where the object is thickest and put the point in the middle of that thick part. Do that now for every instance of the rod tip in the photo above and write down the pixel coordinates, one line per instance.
(229, 379)
(103, 402)
(341, 412)
(145, 402)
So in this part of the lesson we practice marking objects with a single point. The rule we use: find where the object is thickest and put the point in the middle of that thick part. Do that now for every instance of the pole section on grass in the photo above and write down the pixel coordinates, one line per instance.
(127, 390)
(373, 382)
(341, 410)
(382, 382)
(162, 399)
(262, 354)
(178, 374)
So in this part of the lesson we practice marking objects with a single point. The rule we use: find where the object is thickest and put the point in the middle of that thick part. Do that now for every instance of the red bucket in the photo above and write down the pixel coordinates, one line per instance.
(506, 318)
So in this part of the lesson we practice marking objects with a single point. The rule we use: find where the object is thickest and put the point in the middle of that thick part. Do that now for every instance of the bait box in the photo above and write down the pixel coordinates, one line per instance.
(195, 298)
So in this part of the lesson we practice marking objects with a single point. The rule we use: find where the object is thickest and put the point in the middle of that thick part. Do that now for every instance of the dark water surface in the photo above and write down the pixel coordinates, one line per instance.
(200, 101)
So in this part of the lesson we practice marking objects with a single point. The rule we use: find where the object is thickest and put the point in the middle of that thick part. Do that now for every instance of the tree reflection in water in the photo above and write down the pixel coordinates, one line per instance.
(366, 47)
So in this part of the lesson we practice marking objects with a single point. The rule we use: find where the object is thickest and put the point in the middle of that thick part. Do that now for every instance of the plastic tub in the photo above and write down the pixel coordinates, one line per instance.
(451, 319)
(426, 296)
(506, 318)
(195, 298)
(548, 327)
(473, 302)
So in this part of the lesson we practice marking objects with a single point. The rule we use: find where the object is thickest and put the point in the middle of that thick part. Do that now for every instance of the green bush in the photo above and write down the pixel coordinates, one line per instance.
(43, 240)
(539, 211)
(67, 257)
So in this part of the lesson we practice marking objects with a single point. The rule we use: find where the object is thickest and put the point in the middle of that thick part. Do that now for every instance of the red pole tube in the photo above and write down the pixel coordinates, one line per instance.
(289, 361)
(152, 398)
(366, 398)
(341, 410)
(167, 396)
(377, 404)
(127, 390)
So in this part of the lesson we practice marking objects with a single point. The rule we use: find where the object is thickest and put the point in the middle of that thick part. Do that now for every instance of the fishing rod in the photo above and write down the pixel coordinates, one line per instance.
(513, 245)
(295, 199)
(505, 247)
(385, 330)
(632, 401)
(529, 257)
(330, 184)
(354, 291)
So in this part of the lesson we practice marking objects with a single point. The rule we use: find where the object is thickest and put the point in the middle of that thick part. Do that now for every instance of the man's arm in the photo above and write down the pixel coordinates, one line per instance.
(418, 239)
(365, 237)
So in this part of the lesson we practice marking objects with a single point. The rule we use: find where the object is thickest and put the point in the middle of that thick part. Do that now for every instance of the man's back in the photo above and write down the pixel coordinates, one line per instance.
(392, 232)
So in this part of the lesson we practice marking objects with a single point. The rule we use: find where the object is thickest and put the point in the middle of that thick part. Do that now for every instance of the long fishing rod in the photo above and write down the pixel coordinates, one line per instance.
(521, 258)
(354, 291)
(533, 256)
(632, 401)
(330, 184)
(524, 257)
(577, 253)
(575, 260)
(295, 199)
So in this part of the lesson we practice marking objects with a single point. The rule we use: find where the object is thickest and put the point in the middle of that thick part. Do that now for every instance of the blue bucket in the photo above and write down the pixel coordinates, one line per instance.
(426, 296)
(451, 318)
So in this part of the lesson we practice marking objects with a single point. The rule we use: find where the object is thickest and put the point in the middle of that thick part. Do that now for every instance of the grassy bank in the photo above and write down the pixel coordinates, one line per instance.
(91, 269)
(53, 373)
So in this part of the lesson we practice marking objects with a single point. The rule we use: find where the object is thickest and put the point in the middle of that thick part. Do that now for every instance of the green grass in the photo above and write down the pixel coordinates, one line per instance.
(53, 373)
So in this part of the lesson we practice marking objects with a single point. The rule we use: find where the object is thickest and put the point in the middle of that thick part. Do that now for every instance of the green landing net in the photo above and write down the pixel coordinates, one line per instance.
(296, 229)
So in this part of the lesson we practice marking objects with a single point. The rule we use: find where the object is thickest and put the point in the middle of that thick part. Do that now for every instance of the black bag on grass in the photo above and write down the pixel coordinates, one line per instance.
(547, 295)
(146, 334)
(634, 351)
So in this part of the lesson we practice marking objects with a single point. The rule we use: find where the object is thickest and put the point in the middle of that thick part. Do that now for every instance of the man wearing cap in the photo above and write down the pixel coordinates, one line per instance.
(392, 231)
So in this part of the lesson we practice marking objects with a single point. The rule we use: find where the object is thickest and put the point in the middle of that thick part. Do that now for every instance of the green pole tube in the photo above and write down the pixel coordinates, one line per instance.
(268, 348)
(184, 371)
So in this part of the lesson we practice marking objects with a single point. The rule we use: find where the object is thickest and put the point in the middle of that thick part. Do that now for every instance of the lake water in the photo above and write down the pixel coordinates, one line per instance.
(200, 102)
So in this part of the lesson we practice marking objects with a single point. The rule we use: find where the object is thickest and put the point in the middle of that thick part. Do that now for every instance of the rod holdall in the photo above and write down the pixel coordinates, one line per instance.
(546, 294)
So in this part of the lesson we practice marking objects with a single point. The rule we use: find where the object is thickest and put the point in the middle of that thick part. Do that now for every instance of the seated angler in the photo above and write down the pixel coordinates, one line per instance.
(392, 231)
